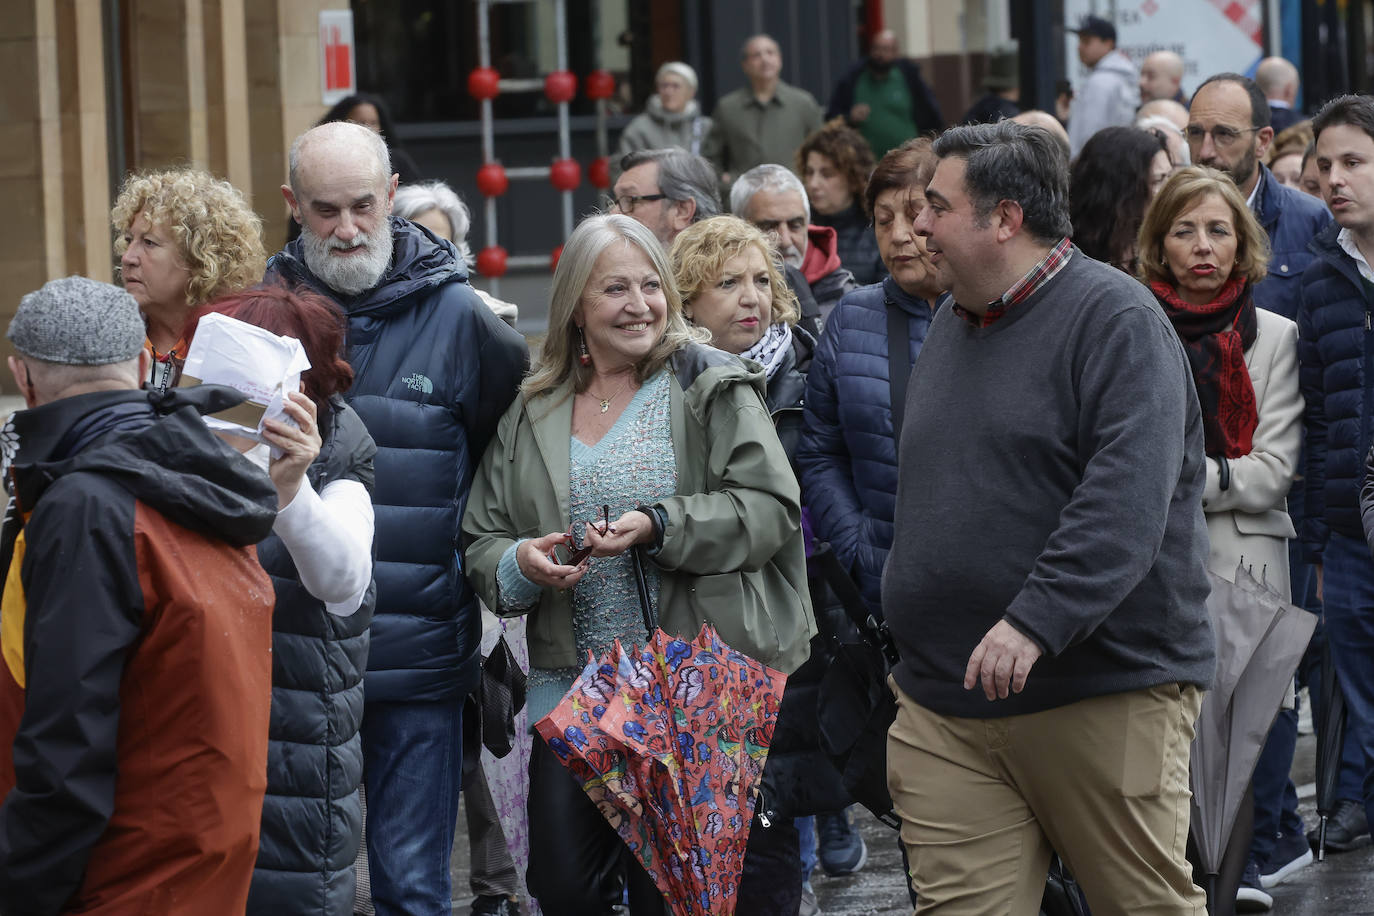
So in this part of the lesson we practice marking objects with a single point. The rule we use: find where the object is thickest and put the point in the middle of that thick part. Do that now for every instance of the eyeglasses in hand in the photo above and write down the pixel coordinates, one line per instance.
(574, 552)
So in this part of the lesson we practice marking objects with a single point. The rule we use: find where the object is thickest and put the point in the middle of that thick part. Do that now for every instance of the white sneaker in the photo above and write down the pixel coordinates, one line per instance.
(809, 906)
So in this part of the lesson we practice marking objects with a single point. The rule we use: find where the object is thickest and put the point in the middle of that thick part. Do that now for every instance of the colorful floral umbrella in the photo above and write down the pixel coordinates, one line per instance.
(670, 741)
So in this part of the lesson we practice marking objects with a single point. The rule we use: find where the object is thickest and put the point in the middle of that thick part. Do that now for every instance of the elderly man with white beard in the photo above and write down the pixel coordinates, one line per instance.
(434, 371)
(773, 198)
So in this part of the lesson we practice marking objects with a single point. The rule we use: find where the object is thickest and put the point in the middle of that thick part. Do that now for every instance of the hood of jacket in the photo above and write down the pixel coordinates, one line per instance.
(420, 261)
(153, 444)
(822, 254)
(669, 119)
(1118, 64)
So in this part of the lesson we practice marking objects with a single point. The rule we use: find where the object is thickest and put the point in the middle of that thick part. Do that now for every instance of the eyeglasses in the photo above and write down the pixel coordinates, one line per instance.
(626, 203)
(574, 551)
(1222, 135)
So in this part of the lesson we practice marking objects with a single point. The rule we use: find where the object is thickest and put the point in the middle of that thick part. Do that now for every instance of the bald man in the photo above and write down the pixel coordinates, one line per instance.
(884, 97)
(434, 371)
(1161, 77)
(1164, 108)
(1278, 80)
(1037, 118)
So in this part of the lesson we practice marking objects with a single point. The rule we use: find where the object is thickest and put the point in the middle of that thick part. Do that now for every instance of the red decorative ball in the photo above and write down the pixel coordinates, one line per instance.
(599, 172)
(554, 256)
(599, 85)
(484, 83)
(491, 261)
(565, 174)
(560, 86)
(492, 180)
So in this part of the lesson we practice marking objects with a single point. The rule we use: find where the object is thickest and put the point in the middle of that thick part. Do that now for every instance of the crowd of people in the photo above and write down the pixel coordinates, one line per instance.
(1133, 348)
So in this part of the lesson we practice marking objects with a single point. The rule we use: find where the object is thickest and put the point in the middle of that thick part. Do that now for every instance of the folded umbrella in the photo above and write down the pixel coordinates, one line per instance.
(686, 725)
(1330, 742)
(1260, 640)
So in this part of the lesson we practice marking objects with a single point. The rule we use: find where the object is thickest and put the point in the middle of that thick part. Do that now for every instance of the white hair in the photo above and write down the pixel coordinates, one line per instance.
(415, 200)
(771, 177)
(1162, 123)
(345, 132)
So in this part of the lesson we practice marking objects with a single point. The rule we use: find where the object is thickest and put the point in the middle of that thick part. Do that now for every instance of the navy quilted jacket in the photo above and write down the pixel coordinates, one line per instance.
(435, 370)
(847, 457)
(1336, 356)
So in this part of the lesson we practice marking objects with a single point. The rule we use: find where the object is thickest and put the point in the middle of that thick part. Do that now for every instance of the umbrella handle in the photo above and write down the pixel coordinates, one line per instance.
(642, 584)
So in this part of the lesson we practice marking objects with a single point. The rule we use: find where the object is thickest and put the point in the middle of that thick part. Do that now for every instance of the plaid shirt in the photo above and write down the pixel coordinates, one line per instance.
(1022, 289)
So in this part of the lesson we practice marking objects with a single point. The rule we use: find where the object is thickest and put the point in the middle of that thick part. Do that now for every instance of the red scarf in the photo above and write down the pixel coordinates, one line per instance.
(1216, 336)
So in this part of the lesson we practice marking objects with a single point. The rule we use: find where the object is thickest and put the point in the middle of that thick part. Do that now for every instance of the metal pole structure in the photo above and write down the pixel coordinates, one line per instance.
(564, 127)
(488, 129)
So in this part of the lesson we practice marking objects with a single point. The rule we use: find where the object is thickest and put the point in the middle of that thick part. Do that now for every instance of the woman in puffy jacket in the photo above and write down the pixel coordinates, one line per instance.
(320, 559)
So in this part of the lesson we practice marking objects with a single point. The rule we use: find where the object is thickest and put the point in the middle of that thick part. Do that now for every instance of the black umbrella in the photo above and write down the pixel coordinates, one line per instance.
(1330, 739)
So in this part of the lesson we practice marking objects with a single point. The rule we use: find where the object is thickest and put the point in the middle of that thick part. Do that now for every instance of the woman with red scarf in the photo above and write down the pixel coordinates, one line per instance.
(1201, 252)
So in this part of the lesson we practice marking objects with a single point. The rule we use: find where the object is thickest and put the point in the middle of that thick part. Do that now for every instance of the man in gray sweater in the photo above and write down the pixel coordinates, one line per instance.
(1046, 586)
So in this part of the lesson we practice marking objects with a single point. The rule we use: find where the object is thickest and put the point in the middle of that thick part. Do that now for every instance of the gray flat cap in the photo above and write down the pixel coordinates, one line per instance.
(77, 321)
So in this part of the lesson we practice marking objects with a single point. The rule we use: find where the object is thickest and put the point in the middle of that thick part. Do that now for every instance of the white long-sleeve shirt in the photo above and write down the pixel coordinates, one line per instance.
(329, 537)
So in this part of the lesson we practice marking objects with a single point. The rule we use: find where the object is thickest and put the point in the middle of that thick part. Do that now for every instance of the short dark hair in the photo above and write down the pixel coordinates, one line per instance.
(1010, 161)
(907, 166)
(1259, 104)
(681, 176)
(1354, 110)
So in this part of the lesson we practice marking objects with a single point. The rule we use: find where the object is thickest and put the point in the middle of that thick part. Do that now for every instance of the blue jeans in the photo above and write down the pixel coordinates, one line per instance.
(413, 770)
(806, 836)
(1348, 592)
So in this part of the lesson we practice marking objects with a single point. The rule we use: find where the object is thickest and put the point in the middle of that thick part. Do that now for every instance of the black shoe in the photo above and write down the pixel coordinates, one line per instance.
(1291, 855)
(493, 905)
(1250, 897)
(1345, 828)
(839, 846)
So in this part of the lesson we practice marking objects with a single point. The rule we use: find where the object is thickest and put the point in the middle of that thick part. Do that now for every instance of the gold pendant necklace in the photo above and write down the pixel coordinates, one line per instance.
(606, 401)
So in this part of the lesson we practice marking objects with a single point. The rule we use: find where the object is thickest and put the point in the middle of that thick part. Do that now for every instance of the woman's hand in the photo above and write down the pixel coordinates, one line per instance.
(634, 527)
(534, 557)
(299, 444)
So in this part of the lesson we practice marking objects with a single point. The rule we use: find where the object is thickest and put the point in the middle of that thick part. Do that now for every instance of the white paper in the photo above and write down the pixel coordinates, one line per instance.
(262, 365)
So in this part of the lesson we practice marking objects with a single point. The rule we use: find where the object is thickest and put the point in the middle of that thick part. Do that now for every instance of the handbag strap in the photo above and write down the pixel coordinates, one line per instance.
(898, 365)
(873, 630)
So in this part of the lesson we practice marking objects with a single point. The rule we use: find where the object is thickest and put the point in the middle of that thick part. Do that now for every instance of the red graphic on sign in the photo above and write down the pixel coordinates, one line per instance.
(338, 69)
(1149, 7)
(1245, 14)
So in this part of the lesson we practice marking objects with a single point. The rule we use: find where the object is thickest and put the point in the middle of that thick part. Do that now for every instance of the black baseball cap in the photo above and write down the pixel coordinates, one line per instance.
(1095, 26)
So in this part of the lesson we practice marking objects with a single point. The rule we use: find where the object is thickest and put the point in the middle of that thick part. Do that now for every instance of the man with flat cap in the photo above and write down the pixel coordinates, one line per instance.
(135, 627)
(1111, 93)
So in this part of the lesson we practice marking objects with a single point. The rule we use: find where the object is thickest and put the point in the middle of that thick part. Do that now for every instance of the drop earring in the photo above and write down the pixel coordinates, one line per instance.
(583, 357)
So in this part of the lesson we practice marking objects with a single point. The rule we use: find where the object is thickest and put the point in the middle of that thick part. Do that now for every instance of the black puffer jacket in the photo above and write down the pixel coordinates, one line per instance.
(311, 820)
(799, 778)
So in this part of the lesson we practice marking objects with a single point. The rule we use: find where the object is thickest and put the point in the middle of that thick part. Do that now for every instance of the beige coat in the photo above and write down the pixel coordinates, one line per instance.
(1249, 520)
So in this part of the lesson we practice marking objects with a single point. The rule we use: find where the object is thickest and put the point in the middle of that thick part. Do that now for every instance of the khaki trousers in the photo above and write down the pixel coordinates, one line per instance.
(1104, 782)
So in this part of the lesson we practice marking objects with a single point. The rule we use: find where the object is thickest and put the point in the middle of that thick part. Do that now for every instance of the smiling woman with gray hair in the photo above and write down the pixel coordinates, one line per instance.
(632, 445)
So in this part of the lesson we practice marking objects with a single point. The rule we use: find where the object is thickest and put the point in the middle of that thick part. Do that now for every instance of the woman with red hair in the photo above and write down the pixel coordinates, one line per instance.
(320, 559)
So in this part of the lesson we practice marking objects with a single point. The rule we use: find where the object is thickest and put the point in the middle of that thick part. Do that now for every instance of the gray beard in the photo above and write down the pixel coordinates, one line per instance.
(790, 255)
(348, 275)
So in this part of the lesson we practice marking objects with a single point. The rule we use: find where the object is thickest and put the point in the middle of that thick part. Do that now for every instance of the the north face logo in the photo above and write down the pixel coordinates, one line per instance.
(418, 382)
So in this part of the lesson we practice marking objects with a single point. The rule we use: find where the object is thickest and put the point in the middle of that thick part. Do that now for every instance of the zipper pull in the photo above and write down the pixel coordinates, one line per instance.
(1366, 319)
(763, 819)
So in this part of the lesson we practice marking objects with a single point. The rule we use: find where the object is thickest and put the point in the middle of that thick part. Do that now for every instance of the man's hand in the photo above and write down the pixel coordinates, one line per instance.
(1003, 659)
(859, 113)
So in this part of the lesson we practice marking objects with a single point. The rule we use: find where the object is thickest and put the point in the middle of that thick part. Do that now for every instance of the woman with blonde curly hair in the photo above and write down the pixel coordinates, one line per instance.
(183, 238)
(732, 285)
(835, 163)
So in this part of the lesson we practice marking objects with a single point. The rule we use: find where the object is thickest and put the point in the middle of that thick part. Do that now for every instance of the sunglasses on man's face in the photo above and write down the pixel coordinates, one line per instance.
(574, 552)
